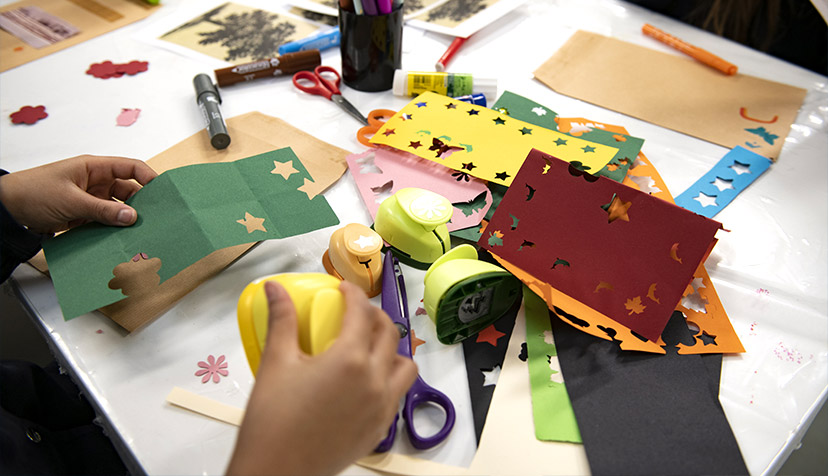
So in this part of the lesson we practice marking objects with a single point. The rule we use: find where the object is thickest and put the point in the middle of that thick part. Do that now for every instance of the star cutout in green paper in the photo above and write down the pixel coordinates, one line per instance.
(252, 223)
(285, 169)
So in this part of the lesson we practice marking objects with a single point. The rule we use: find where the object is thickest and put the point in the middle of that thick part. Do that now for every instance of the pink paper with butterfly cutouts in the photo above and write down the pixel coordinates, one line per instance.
(380, 172)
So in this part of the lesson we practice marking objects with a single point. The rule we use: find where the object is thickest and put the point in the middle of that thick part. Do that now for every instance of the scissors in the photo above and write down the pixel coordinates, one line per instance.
(395, 304)
(376, 119)
(326, 87)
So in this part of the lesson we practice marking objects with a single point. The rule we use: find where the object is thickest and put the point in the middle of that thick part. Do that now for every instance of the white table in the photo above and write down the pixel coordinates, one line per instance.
(770, 270)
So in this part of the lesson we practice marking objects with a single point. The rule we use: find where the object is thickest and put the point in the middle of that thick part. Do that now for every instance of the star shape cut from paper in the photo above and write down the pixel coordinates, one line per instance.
(560, 141)
(469, 166)
(415, 145)
(252, 223)
(501, 176)
(415, 342)
(618, 209)
(473, 112)
(740, 168)
(490, 335)
(588, 148)
(308, 187)
(490, 376)
(407, 117)
(499, 121)
(707, 339)
(388, 132)
(365, 241)
(706, 200)
(722, 184)
(451, 106)
(421, 104)
(285, 169)
(525, 131)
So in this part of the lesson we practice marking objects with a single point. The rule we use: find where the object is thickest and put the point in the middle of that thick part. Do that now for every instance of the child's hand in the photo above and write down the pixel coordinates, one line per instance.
(64, 194)
(316, 415)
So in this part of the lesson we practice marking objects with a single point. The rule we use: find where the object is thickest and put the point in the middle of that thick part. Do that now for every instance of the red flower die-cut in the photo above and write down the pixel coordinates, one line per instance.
(29, 115)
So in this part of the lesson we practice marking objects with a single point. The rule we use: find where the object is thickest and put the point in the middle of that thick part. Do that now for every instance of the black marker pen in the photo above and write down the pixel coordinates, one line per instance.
(208, 99)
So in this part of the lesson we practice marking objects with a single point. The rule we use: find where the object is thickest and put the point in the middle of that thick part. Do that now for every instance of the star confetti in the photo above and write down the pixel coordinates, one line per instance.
(29, 115)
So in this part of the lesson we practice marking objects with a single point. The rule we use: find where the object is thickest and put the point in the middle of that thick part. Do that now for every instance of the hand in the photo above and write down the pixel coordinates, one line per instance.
(318, 414)
(64, 194)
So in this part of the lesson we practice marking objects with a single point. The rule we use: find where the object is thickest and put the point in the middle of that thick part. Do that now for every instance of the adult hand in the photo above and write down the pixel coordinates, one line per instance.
(64, 194)
(318, 414)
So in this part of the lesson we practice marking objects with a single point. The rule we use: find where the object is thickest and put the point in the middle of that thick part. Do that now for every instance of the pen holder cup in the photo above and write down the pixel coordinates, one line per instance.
(371, 48)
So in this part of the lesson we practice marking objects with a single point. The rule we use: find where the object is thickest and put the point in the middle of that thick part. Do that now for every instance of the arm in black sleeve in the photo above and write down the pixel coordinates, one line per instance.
(17, 244)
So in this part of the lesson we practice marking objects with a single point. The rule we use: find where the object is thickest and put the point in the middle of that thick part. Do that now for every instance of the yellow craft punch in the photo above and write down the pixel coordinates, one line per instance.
(354, 254)
(413, 222)
(463, 295)
(319, 309)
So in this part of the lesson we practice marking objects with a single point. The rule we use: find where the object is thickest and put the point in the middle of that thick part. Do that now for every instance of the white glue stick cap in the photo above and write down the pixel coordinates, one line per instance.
(400, 83)
(485, 86)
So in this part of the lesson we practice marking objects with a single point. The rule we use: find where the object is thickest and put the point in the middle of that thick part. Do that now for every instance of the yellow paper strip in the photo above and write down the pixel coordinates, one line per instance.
(481, 142)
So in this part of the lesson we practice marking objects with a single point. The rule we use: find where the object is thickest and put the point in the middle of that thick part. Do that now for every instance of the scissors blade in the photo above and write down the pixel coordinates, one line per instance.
(349, 108)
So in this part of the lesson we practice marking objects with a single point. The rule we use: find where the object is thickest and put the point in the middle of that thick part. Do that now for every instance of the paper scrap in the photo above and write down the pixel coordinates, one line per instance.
(29, 115)
(720, 185)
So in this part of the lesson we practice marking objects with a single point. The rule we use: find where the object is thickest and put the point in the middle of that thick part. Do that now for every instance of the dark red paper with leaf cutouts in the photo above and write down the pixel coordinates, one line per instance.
(618, 250)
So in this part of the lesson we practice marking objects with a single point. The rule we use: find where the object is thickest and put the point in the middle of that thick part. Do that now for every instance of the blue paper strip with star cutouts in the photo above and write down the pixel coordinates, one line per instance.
(728, 178)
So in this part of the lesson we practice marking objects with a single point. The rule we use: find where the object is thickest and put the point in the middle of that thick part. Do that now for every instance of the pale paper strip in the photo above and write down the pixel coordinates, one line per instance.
(205, 406)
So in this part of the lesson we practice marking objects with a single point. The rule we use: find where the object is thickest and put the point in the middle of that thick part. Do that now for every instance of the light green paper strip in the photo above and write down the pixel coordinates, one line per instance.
(185, 214)
(551, 409)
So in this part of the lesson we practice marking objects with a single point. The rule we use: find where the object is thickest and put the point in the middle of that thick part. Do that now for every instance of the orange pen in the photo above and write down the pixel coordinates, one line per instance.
(698, 54)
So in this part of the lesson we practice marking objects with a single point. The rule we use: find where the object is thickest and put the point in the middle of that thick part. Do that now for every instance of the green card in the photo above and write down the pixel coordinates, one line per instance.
(551, 409)
(529, 111)
(185, 214)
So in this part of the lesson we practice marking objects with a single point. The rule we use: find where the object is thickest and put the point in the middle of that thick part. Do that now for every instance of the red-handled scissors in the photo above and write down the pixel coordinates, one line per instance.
(327, 87)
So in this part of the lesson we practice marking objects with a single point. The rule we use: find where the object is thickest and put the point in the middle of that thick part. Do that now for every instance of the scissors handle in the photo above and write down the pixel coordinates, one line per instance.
(376, 119)
(421, 394)
(388, 442)
(321, 85)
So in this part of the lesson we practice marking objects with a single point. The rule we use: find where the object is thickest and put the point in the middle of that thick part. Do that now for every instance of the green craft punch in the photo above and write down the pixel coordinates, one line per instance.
(464, 295)
(413, 222)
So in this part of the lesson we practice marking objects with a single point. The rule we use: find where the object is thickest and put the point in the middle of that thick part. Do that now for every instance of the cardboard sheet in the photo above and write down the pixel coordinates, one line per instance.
(184, 215)
(480, 141)
(555, 223)
(380, 173)
(642, 414)
(253, 133)
(90, 18)
(675, 92)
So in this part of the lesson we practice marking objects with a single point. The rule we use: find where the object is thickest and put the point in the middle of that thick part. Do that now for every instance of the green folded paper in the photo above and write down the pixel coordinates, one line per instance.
(185, 214)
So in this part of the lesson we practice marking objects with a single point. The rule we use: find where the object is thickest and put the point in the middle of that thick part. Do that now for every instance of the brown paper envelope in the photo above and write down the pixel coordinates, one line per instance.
(675, 92)
(91, 17)
(251, 134)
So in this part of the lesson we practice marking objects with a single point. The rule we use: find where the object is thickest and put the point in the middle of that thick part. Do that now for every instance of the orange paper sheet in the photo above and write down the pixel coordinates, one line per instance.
(674, 92)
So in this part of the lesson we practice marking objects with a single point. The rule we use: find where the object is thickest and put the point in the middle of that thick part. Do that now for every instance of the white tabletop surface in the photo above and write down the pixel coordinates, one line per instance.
(770, 270)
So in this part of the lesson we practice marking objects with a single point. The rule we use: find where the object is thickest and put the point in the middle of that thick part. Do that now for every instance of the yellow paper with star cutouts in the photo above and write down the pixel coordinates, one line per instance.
(481, 142)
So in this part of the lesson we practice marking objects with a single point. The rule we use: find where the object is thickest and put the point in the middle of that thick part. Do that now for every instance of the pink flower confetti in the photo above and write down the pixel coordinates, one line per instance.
(29, 115)
(212, 368)
(420, 311)
(127, 117)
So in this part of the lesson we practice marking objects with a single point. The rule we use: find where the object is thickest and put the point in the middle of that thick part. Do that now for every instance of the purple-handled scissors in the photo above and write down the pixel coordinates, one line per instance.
(327, 87)
(395, 304)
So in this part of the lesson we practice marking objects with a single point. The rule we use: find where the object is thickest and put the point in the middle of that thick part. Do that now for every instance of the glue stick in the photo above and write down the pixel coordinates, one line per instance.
(411, 83)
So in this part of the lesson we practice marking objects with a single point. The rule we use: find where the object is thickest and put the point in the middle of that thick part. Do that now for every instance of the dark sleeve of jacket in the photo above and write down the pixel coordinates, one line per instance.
(17, 244)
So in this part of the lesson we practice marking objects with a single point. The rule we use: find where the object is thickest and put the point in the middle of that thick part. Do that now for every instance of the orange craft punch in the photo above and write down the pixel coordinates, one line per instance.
(355, 255)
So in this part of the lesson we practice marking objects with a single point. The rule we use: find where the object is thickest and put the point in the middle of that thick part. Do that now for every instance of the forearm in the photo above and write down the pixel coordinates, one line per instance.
(17, 244)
